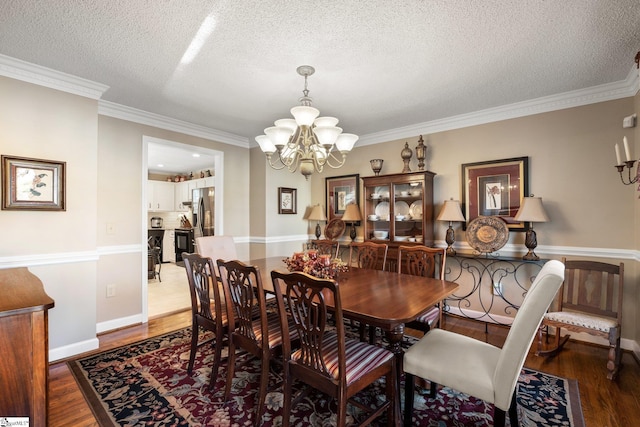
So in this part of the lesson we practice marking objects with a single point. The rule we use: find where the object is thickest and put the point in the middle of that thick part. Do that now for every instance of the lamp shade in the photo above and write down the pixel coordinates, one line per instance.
(352, 213)
(532, 210)
(317, 214)
(451, 211)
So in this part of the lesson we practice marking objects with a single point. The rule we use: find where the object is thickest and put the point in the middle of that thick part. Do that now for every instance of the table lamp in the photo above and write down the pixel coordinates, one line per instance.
(352, 216)
(531, 210)
(317, 214)
(451, 212)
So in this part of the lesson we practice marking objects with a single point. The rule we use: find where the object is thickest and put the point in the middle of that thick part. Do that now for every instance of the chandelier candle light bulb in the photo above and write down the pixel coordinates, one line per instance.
(309, 142)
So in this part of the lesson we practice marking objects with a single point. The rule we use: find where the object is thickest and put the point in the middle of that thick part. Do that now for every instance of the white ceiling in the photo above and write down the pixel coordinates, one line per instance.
(380, 64)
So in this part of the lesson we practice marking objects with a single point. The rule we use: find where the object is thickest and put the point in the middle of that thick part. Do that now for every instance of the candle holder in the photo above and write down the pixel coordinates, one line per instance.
(421, 153)
(629, 164)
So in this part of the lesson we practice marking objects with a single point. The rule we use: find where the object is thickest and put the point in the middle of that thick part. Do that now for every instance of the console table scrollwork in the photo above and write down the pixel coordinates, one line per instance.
(492, 288)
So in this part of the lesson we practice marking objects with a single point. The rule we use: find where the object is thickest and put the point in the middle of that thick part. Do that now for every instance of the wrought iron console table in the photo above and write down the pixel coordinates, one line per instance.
(492, 288)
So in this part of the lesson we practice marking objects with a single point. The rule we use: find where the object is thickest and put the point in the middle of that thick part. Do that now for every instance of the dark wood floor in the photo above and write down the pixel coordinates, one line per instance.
(604, 403)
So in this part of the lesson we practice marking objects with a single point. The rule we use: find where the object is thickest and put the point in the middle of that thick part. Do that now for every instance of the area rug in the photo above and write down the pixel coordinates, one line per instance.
(146, 383)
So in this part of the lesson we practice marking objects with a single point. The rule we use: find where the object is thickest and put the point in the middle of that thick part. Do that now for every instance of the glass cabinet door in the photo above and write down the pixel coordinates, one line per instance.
(378, 212)
(407, 210)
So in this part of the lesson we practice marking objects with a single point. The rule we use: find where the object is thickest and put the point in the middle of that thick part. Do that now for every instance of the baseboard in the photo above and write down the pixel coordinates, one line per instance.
(73, 349)
(122, 322)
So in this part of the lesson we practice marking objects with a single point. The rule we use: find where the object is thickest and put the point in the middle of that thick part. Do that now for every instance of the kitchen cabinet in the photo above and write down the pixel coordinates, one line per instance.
(398, 209)
(160, 196)
(182, 194)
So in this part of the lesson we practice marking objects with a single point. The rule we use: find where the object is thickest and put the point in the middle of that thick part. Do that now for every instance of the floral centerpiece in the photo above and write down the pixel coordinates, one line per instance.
(322, 266)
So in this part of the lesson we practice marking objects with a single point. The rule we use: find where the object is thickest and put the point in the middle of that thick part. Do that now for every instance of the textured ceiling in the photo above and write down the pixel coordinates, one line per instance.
(380, 64)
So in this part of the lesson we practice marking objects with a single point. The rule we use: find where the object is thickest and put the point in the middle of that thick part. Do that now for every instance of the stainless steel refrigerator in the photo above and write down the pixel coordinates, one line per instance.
(202, 206)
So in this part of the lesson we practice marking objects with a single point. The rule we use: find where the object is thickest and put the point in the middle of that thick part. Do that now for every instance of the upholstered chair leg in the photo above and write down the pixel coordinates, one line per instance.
(216, 363)
(341, 419)
(264, 381)
(499, 417)
(287, 397)
(194, 345)
(409, 389)
(513, 411)
(433, 389)
(231, 365)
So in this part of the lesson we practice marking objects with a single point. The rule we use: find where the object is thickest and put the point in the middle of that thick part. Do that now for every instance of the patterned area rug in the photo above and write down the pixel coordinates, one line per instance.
(146, 383)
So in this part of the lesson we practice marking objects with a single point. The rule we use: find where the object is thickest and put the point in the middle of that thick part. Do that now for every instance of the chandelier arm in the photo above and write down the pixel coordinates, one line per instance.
(275, 165)
(339, 162)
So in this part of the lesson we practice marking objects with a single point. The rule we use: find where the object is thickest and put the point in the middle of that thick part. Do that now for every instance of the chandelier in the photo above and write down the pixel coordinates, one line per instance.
(307, 142)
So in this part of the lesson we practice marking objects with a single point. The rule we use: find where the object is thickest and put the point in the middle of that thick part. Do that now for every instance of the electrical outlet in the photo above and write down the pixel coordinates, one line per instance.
(111, 290)
(497, 289)
(111, 228)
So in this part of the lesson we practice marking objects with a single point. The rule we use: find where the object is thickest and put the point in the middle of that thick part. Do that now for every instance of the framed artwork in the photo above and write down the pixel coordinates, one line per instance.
(495, 188)
(287, 200)
(341, 191)
(33, 184)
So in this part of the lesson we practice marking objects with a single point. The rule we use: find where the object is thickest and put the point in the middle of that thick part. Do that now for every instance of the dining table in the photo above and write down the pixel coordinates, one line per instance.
(383, 299)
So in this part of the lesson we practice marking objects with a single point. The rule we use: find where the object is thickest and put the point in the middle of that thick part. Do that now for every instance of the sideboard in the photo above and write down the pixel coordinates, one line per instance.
(24, 337)
(492, 288)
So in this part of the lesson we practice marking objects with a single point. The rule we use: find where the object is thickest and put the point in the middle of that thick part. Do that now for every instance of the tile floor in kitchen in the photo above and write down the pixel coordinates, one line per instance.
(170, 295)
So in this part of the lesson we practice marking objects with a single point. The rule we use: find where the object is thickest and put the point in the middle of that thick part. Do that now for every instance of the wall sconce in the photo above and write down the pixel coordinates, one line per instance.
(352, 216)
(531, 210)
(317, 214)
(451, 212)
(620, 165)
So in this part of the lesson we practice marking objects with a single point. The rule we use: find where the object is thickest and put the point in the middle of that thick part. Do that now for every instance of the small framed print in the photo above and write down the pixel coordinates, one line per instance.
(495, 188)
(341, 191)
(287, 203)
(33, 184)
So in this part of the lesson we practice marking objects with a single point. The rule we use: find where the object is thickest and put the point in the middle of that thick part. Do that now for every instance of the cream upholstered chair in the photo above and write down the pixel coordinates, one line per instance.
(477, 368)
(591, 302)
(217, 247)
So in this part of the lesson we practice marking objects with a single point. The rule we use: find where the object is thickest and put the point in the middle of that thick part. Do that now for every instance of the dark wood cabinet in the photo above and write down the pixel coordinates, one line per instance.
(24, 346)
(398, 209)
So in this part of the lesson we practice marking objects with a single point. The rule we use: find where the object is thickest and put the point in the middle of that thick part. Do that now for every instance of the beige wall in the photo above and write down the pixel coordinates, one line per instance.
(571, 166)
(59, 247)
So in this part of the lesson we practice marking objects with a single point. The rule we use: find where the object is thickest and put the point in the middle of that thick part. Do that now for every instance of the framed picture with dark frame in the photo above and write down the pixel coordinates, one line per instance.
(33, 184)
(287, 200)
(341, 191)
(495, 188)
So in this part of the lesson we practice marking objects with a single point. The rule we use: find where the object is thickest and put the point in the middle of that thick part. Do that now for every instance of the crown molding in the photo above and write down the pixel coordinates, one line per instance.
(592, 95)
(118, 111)
(42, 76)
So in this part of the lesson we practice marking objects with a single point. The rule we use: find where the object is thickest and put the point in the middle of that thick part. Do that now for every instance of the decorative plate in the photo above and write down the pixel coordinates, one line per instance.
(415, 210)
(334, 229)
(382, 210)
(487, 233)
(401, 208)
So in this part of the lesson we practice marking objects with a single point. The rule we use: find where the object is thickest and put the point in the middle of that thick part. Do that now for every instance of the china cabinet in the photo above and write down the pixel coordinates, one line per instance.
(398, 209)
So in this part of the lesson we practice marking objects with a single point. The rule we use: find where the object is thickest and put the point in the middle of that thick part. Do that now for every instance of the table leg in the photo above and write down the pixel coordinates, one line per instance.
(395, 337)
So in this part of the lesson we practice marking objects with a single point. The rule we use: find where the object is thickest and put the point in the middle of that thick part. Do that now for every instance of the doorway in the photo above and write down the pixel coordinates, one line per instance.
(170, 292)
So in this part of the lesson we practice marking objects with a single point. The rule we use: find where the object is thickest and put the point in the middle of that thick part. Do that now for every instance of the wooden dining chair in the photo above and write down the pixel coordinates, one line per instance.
(426, 262)
(371, 256)
(200, 275)
(591, 302)
(327, 247)
(327, 360)
(261, 336)
(477, 368)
